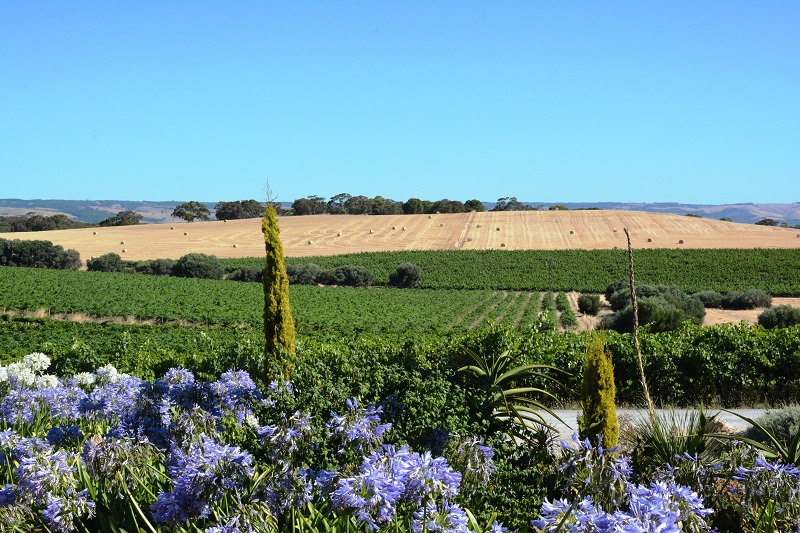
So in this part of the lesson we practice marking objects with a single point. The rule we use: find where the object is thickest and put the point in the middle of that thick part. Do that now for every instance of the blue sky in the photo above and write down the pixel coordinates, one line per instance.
(693, 102)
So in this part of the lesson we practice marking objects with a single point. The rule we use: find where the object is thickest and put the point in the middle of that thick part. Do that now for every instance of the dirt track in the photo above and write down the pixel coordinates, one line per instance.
(339, 234)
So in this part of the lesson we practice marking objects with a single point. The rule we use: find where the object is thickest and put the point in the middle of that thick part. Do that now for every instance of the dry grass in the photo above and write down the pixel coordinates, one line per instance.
(340, 234)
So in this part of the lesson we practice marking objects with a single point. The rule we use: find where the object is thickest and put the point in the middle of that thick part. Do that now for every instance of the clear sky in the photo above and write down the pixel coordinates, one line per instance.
(635, 101)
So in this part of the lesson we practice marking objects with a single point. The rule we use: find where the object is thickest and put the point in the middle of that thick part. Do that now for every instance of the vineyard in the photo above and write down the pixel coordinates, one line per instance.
(315, 309)
(771, 270)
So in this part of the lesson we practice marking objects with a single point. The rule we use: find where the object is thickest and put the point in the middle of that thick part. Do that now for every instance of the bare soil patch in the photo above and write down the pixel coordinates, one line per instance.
(318, 235)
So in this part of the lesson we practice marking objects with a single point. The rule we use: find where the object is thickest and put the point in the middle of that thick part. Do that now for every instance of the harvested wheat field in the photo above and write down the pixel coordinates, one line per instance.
(338, 234)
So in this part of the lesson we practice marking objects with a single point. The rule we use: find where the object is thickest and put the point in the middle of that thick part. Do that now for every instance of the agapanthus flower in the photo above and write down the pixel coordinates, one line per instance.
(64, 436)
(473, 459)
(40, 474)
(446, 517)
(286, 487)
(84, 379)
(285, 439)
(236, 394)
(119, 463)
(36, 361)
(207, 473)
(358, 427)
(428, 477)
(62, 511)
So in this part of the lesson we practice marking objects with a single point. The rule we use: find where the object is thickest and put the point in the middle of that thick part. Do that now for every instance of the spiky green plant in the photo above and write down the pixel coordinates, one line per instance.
(510, 399)
(278, 323)
(597, 395)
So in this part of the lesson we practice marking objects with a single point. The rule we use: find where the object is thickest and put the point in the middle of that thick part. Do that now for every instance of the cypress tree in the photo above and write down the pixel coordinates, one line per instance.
(278, 324)
(597, 395)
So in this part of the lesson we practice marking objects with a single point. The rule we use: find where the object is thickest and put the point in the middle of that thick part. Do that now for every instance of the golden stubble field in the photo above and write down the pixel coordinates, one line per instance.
(319, 235)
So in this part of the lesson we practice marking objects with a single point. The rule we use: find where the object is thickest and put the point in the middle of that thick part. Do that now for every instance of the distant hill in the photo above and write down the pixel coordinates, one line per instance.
(94, 211)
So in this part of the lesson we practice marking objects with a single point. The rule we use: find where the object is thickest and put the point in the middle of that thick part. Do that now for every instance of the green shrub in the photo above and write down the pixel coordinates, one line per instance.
(349, 275)
(710, 299)
(783, 423)
(247, 273)
(589, 304)
(196, 265)
(303, 274)
(156, 267)
(781, 316)
(406, 276)
(663, 307)
(562, 302)
(616, 287)
(746, 300)
(598, 394)
(37, 254)
(110, 262)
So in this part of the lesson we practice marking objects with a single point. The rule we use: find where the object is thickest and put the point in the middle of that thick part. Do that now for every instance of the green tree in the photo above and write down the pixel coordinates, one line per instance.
(191, 211)
(413, 207)
(767, 222)
(475, 205)
(123, 218)
(278, 323)
(597, 395)
(311, 205)
(336, 205)
(239, 209)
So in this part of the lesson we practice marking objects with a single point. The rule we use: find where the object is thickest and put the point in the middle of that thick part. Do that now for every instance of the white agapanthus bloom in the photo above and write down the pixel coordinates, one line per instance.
(84, 379)
(3, 374)
(36, 361)
(20, 372)
(46, 381)
(106, 374)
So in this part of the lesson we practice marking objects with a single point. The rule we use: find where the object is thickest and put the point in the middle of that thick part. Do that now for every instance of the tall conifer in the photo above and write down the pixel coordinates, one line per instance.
(278, 324)
(597, 395)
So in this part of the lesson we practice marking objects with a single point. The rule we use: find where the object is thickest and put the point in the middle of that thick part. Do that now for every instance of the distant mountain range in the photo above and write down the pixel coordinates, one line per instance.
(159, 212)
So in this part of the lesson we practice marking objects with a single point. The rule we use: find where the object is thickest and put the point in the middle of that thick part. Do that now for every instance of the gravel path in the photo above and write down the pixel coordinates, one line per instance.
(570, 416)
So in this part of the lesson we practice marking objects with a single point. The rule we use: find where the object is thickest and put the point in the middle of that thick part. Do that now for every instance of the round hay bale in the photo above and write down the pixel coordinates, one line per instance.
(502, 245)
(616, 248)
(172, 227)
(186, 233)
(430, 216)
(469, 239)
(477, 225)
(122, 242)
(235, 245)
(497, 229)
(649, 239)
(571, 232)
(95, 233)
(394, 227)
(404, 228)
(680, 241)
(224, 219)
(615, 230)
(441, 225)
(124, 250)
(371, 232)
(310, 242)
(339, 234)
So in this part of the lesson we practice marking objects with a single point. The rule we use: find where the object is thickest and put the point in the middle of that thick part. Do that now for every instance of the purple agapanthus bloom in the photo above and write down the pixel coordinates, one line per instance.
(236, 393)
(358, 427)
(207, 473)
(446, 517)
(62, 511)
